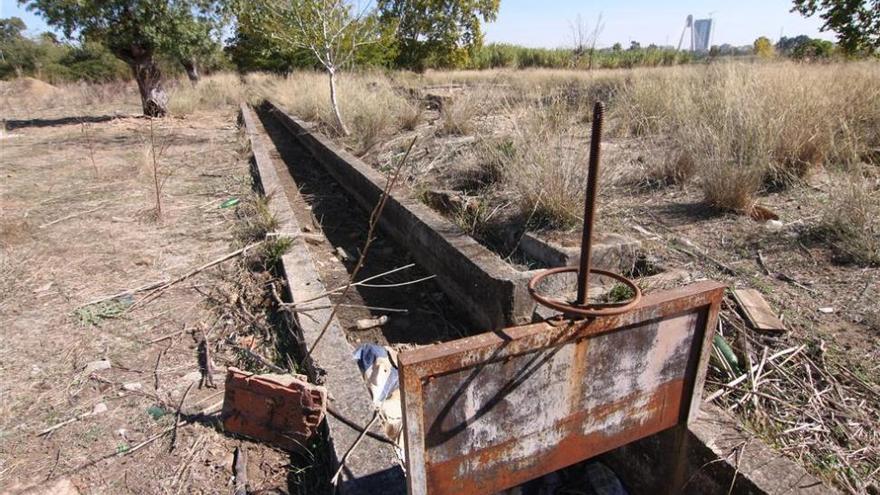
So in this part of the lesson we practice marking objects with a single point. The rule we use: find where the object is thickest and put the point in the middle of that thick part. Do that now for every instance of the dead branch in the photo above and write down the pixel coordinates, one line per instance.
(262, 360)
(161, 288)
(357, 442)
(353, 425)
(177, 417)
(239, 468)
(205, 364)
(374, 222)
(73, 215)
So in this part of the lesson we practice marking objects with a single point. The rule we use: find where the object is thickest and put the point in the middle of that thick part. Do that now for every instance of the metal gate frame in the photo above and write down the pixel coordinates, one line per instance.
(492, 411)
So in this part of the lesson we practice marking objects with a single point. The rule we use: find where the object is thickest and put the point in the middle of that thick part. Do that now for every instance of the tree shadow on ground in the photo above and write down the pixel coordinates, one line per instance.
(12, 125)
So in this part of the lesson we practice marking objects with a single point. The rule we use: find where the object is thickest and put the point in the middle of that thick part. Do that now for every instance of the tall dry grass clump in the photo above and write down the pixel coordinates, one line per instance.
(457, 115)
(369, 105)
(741, 127)
(213, 92)
(851, 217)
(541, 156)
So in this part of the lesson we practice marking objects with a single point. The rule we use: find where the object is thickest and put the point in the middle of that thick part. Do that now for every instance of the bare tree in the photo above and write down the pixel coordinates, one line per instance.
(331, 30)
(584, 38)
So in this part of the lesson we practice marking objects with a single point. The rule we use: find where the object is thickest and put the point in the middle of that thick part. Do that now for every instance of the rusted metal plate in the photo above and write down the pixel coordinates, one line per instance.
(492, 411)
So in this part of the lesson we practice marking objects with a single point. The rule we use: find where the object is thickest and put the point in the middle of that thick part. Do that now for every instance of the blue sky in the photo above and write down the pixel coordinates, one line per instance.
(547, 22)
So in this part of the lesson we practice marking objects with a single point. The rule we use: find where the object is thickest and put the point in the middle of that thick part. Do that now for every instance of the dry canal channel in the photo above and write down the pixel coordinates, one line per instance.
(432, 287)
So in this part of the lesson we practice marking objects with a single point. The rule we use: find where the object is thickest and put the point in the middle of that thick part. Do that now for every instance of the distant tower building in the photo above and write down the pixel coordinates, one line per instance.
(700, 34)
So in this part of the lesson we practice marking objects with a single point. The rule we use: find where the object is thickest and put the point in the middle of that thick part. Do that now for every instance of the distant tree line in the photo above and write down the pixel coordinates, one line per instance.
(152, 37)
(45, 57)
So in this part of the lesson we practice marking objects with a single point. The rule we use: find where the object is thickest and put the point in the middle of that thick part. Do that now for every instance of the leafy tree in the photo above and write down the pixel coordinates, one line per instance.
(442, 33)
(18, 54)
(253, 49)
(136, 32)
(787, 45)
(813, 49)
(12, 28)
(763, 47)
(856, 22)
(92, 61)
(331, 31)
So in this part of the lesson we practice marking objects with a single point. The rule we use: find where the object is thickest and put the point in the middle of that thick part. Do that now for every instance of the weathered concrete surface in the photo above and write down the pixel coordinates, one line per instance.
(373, 467)
(612, 252)
(490, 291)
(721, 458)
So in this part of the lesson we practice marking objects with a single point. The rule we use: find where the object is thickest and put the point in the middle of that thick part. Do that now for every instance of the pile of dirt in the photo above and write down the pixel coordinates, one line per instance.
(27, 87)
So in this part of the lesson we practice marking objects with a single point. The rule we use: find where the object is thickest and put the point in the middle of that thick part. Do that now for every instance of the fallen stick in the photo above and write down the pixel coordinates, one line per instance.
(158, 290)
(69, 421)
(239, 468)
(156, 369)
(295, 309)
(736, 381)
(177, 417)
(124, 293)
(167, 336)
(187, 462)
(73, 215)
(354, 284)
(265, 362)
(122, 453)
(357, 442)
(354, 426)
(698, 254)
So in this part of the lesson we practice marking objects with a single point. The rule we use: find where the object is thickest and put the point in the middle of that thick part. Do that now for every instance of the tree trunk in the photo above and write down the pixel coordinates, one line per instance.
(335, 104)
(154, 99)
(192, 72)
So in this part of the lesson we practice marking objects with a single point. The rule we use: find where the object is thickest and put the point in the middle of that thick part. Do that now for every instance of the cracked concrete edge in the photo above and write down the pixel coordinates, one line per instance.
(489, 290)
(373, 467)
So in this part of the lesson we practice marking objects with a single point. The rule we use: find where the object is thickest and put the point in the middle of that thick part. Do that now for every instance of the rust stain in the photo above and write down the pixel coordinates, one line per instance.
(576, 375)
(501, 471)
(489, 412)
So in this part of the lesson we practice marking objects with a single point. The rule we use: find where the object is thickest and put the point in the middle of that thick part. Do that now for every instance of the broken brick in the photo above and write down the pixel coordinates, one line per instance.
(284, 410)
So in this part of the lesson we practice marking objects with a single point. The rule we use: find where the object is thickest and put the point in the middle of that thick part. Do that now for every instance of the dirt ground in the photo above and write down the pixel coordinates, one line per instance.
(78, 222)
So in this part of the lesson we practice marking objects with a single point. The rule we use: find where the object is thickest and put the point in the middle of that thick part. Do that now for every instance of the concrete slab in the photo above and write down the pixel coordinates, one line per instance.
(373, 467)
(612, 252)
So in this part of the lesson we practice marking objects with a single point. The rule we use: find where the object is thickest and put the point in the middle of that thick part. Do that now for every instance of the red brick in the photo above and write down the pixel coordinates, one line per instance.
(284, 410)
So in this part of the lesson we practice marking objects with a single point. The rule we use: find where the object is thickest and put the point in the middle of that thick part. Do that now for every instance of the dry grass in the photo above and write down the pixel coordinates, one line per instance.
(457, 116)
(213, 92)
(369, 105)
(851, 217)
(748, 126)
(735, 130)
(540, 157)
(26, 99)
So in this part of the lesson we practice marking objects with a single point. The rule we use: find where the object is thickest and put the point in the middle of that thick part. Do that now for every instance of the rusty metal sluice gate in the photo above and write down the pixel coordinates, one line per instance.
(492, 411)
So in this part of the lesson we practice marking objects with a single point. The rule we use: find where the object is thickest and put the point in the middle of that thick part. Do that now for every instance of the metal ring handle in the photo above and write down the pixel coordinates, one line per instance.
(590, 310)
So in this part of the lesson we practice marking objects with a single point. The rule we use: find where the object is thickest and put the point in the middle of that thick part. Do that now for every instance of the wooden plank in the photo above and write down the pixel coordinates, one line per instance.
(759, 314)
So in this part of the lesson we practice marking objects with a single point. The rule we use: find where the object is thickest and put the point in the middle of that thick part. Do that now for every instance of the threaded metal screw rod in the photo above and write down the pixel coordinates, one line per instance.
(590, 204)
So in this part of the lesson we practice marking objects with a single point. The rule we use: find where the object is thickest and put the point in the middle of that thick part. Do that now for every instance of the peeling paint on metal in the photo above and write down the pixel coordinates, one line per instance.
(499, 409)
